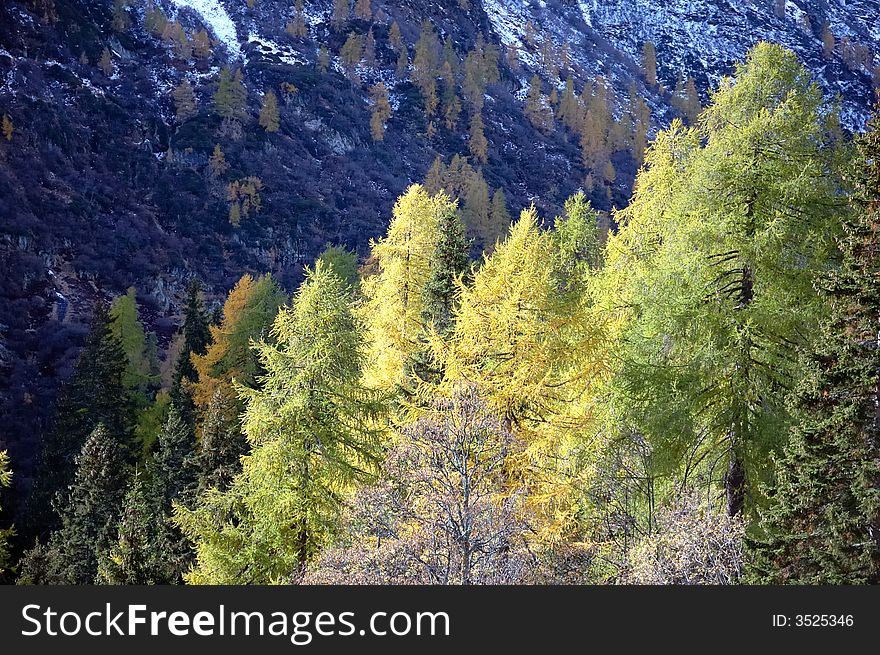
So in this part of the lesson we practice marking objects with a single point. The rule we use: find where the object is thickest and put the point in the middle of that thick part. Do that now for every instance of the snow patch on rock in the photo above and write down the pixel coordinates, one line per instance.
(218, 20)
(270, 49)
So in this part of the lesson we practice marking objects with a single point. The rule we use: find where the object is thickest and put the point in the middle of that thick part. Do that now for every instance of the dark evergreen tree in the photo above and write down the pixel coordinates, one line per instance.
(139, 556)
(822, 525)
(196, 339)
(175, 476)
(174, 460)
(196, 335)
(88, 515)
(221, 446)
(94, 394)
(151, 349)
(37, 566)
(449, 262)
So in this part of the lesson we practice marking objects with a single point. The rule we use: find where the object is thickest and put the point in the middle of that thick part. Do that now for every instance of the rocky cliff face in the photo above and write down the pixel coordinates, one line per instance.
(103, 187)
(703, 38)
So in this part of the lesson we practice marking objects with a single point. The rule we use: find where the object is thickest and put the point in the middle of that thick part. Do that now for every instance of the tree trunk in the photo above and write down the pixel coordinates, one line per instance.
(735, 485)
(303, 554)
(735, 478)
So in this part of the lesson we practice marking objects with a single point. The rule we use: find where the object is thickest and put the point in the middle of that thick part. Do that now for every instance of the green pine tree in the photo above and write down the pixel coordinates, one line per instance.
(88, 515)
(221, 446)
(175, 480)
(449, 270)
(94, 394)
(449, 264)
(822, 525)
(196, 334)
(174, 461)
(138, 557)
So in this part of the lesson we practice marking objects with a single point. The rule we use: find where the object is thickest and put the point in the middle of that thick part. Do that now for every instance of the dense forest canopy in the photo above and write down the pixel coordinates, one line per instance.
(678, 388)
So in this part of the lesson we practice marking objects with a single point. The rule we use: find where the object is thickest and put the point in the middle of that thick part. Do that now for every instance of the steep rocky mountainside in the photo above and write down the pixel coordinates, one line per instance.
(103, 186)
(704, 38)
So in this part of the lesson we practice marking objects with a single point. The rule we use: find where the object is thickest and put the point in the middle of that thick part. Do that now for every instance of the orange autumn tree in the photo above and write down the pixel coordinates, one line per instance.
(248, 313)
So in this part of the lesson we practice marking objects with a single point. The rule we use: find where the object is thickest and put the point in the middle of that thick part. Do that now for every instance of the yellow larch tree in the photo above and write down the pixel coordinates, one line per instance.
(394, 304)
(526, 336)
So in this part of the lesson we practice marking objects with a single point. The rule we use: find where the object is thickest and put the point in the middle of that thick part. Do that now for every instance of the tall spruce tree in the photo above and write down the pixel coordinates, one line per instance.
(174, 461)
(95, 394)
(139, 554)
(175, 480)
(449, 264)
(221, 446)
(448, 272)
(196, 334)
(88, 515)
(822, 525)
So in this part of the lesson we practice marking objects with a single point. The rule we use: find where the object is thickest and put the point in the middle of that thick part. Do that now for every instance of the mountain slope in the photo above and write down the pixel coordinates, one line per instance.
(705, 38)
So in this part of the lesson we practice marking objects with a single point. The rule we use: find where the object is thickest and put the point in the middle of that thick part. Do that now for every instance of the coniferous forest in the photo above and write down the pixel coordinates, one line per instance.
(680, 386)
